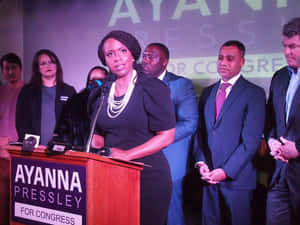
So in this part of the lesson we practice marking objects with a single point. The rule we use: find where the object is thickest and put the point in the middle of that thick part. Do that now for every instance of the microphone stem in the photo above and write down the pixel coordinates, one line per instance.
(88, 145)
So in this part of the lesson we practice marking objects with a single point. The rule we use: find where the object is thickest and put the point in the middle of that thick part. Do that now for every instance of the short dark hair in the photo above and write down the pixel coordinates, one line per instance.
(95, 68)
(162, 47)
(36, 77)
(11, 58)
(237, 44)
(126, 39)
(292, 28)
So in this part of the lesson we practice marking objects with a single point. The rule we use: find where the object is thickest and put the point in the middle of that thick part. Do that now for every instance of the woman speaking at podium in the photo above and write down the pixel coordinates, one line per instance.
(137, 121)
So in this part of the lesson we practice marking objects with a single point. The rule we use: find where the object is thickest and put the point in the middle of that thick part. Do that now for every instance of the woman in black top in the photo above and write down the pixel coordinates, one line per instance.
(74, 124)
(137, 121)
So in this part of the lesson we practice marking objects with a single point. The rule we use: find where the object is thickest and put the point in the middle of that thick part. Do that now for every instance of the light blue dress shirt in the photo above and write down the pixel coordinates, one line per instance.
(293, 86)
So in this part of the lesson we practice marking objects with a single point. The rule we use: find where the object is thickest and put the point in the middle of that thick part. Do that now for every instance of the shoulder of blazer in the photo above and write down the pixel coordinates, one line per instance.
(66, 89)
(30, 90)
(280, 79)
(207, 90)
(170, 77)
(281, 74)
(249, 85)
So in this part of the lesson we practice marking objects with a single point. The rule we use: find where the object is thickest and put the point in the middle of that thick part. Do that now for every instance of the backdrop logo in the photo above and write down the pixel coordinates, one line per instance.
(130, 10)
(46, 192)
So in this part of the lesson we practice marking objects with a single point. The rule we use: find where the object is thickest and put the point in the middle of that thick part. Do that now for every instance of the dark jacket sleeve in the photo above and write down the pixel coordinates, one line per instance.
(28, 111)
(199, 142)
(186, 108)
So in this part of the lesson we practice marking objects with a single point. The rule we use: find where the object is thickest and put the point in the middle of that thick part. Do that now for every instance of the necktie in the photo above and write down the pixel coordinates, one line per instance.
(221, 98)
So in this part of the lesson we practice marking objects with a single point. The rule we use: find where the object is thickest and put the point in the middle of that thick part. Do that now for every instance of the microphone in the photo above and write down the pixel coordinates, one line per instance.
(28, 144)
(95, 84)
(104, 151)
(58, 143)
(105, 87)
(99, 87)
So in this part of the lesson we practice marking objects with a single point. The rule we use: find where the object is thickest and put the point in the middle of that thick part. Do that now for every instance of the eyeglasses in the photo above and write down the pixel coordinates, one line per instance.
(44, 63)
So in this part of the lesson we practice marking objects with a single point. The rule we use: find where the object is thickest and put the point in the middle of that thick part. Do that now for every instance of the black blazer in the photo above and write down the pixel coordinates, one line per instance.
(276, 115)
(29, 103)
(74, 124)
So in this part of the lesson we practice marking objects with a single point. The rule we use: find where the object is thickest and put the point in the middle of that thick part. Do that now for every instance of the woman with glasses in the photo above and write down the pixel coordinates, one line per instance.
(41, 101)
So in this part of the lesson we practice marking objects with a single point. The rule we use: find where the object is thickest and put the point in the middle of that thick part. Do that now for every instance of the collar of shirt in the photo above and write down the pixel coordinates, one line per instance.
(294, 72)
(161, 76)
(232, 81)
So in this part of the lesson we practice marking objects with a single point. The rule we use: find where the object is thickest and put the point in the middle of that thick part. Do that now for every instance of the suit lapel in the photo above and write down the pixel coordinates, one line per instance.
(166, 79)
(282, 96)
(211, 101)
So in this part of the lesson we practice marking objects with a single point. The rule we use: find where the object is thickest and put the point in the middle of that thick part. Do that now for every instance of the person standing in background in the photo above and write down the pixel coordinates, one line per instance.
(41, 101)
(230, 128)
(283, 133)
(11, 68)
(155, 61)
(73, 125)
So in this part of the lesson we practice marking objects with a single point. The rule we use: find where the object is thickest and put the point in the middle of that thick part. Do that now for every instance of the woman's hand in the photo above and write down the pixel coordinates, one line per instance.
(97, 141)
(120, 154)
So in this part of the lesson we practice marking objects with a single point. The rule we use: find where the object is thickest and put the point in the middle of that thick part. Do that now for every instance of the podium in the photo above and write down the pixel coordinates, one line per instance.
(74, 188)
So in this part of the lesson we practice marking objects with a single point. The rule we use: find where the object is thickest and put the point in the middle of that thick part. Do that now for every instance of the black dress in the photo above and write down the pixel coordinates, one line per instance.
(149, 110)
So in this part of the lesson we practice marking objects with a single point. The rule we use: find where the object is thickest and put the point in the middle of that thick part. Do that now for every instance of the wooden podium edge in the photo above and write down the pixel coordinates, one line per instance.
(78, 155)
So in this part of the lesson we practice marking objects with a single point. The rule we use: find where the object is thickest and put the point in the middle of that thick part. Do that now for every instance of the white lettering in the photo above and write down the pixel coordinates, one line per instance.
(77, 200)
(63, 179)
(224, 7)
(29, 173)
(130, 11)
(19, 174)
(117, 14)
(182, 6)
(254, 4)
(75, 182)
(39, 177)
(156, 9)
(50, 177)
(281, 3)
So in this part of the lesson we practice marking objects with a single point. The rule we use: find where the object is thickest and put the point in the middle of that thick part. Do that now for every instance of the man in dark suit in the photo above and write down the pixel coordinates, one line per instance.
(283, 133)
(231, 123)
(155, 61)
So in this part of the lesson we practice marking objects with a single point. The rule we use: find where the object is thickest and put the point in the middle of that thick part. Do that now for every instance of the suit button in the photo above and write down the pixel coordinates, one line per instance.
(213, 132)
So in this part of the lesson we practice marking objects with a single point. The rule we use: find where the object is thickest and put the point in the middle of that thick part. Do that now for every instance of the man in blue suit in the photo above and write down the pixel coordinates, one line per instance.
(231, 123)
(155, 61)
(283, 123)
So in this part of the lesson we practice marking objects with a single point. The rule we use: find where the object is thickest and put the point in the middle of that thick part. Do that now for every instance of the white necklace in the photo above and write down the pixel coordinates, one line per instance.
(116, 107)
